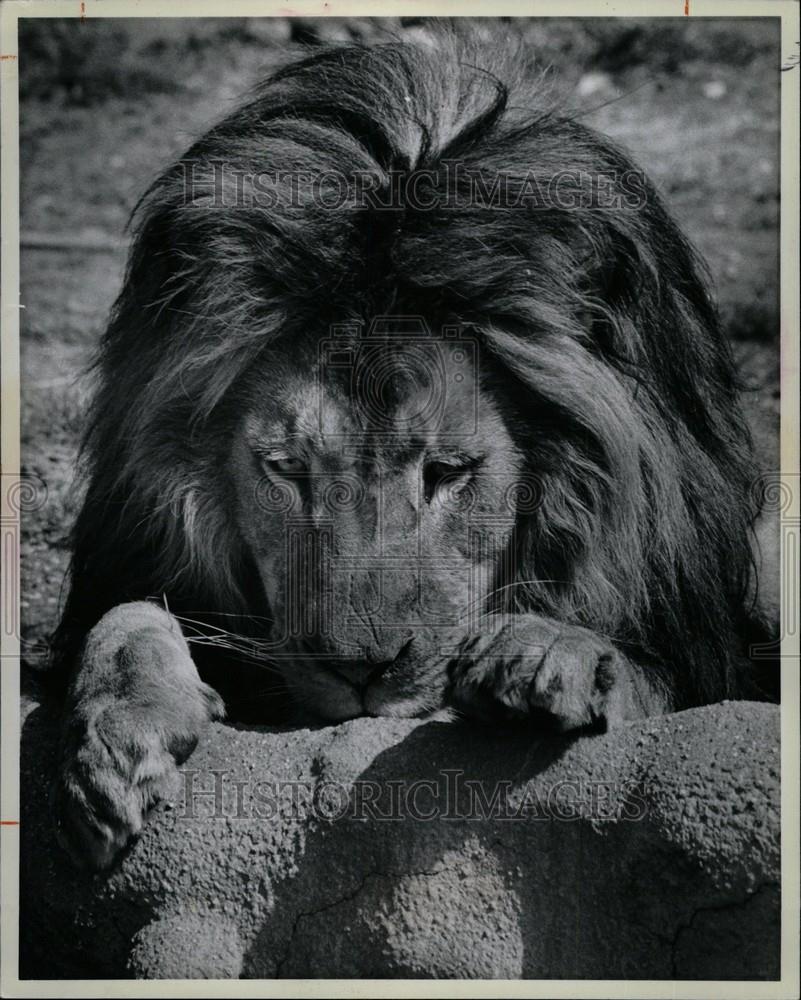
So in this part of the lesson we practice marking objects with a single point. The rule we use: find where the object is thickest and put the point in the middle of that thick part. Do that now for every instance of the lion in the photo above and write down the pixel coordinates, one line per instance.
(414, 401)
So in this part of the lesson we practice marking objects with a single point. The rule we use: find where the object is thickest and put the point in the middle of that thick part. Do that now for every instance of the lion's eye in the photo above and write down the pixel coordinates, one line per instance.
(446, 476)
(284, 465)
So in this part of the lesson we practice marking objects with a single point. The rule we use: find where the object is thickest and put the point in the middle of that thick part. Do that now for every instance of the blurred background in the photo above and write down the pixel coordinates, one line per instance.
(105, 104)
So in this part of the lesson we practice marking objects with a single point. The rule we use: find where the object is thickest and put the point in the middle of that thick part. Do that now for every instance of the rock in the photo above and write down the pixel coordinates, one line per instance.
(187, 945)
(407, 848)
(592, 84)
(714, 90)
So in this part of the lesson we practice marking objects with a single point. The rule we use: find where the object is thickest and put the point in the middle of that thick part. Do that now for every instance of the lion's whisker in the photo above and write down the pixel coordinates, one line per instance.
(232, 614)
(508, 586)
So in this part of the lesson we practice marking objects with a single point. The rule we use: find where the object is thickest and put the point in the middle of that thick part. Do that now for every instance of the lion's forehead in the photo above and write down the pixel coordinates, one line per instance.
(389, 413)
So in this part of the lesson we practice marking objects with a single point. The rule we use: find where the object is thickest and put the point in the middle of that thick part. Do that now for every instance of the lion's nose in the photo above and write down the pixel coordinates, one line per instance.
(365, 670)
(383, 653)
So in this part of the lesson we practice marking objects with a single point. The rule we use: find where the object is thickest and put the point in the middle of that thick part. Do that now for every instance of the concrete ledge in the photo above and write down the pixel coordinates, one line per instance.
(383, 848)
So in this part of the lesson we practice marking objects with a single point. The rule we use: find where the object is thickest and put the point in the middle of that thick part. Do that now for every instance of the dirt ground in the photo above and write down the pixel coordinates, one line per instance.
(103, 107)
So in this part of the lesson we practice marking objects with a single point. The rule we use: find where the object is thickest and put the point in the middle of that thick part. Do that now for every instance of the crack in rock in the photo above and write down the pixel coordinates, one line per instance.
(349, 897)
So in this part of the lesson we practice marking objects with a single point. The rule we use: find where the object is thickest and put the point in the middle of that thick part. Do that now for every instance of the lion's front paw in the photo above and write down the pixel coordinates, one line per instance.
(104, 791)
(533, 667)
(118, 761)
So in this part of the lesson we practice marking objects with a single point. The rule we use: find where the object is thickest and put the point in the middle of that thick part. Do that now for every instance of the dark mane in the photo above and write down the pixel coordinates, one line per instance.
(583, 288)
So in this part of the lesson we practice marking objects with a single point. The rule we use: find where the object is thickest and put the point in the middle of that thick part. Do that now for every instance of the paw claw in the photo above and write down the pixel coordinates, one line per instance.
(101, 799)
(91, 842)
(214, 703)
(563, 673)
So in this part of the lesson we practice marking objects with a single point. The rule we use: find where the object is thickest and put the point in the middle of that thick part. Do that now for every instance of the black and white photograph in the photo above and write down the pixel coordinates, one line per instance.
(400, 499)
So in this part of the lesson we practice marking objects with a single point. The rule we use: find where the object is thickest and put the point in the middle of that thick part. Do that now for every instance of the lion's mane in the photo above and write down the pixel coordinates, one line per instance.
(593, 301)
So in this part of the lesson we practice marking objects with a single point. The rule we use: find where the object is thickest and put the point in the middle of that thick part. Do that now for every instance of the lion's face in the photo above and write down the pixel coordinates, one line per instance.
(378, 493)
(375, 489)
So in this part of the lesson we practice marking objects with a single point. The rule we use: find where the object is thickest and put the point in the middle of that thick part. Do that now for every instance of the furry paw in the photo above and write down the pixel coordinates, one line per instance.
(136, 708)
(565, 675)
(117, 763)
